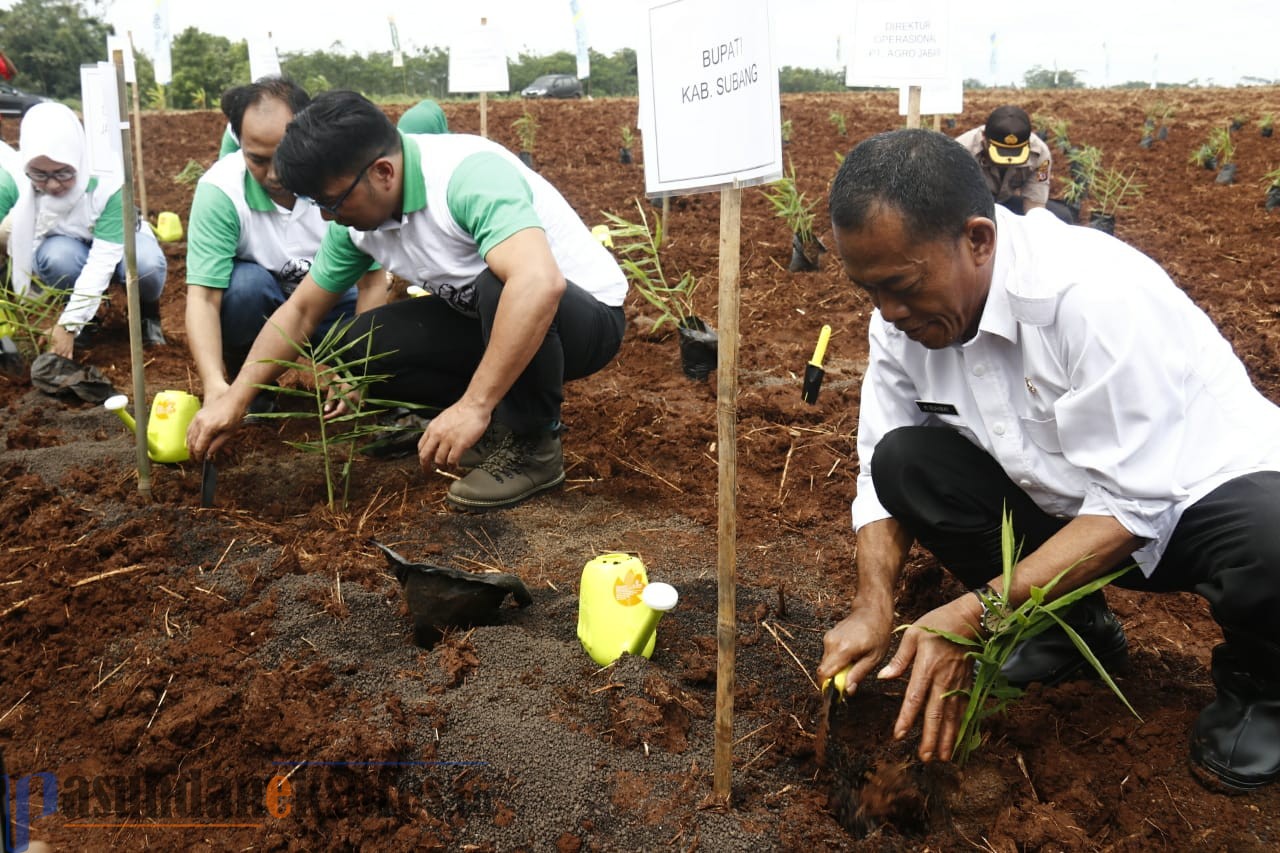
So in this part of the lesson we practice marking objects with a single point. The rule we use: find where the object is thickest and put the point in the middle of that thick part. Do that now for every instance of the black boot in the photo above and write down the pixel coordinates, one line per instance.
(1236, 740)
(152, 335)
(1051, 658)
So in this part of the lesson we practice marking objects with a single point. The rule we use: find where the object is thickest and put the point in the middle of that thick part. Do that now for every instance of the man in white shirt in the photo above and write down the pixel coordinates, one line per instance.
(523, 297)
(1015, 361)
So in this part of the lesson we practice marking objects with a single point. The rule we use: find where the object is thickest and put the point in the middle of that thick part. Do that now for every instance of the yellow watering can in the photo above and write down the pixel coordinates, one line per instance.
(171, 414)
(618, 609)
(168, 227)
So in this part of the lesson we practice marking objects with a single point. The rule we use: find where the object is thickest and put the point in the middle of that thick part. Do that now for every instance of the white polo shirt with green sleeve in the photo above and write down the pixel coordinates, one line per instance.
(8, 192)
(463, 195)
(233, 219)
(96, 219)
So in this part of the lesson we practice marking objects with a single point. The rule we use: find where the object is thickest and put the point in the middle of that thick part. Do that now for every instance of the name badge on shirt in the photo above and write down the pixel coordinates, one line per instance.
(936, 408)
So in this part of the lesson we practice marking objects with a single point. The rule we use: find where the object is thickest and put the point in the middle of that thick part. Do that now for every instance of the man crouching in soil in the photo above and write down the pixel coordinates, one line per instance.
(523, 297)
(1023, 363)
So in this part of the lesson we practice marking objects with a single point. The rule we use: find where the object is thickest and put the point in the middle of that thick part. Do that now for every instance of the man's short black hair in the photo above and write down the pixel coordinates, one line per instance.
(928, 177)
(237, 100)
(337, 135)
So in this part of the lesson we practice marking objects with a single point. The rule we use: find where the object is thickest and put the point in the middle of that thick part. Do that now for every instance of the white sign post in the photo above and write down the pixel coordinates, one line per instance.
(711, 118)
(100, 104)
(478, 63)
(709, 107)
(903, 43)
(263, 59)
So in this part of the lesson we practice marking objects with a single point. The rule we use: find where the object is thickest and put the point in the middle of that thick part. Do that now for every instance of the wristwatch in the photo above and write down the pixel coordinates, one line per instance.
(984, 622)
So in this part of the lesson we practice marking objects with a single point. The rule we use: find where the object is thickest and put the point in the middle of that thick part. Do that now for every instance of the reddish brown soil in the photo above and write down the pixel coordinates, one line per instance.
(265, 637)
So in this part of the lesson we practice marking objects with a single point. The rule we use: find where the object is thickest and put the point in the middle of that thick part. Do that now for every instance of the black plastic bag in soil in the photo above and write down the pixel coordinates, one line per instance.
(624, 156)
(441, 598)
(1227, 175)
(1266, 131)
(805, 257)
(1146, 141)
(699, 348)
(526, 157)
(1273, 198)
(1067, 212)
(53, 374)
(1104, 222)
(1162, 134)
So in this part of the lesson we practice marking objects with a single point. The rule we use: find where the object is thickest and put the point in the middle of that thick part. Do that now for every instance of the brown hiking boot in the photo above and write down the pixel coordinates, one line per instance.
(523, 466)
(491, 439)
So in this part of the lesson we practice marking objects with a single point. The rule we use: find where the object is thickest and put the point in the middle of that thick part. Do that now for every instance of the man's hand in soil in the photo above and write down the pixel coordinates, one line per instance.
(859, 641)
(450, 433)
(59, 340)
(938, 667)
(213, 425)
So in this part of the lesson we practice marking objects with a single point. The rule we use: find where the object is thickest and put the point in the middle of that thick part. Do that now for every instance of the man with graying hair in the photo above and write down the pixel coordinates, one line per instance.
(1020, 363)
(250, 241)
(523, 297)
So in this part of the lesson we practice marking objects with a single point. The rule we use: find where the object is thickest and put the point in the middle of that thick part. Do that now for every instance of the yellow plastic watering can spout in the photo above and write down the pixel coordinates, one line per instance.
(658, 598)
(117, 404)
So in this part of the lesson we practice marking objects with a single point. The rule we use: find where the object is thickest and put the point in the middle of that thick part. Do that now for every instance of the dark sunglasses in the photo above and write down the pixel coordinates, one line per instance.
(62, 176)
(332, 207)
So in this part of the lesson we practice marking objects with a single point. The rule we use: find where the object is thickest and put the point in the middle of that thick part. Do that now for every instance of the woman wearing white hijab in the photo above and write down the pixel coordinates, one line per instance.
(68, 231)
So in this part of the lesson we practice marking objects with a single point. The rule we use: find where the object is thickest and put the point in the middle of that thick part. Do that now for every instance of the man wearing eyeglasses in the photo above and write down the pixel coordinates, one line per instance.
(250, 241)
(524, 298)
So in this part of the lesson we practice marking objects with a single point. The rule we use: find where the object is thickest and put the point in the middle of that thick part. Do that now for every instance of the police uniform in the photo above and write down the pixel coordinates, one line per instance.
(1030, 181)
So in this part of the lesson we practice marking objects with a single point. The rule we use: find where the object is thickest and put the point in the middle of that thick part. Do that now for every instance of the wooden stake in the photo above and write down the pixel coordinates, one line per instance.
(140, 414)
(913, 106)
(139, 173)
(727, 495)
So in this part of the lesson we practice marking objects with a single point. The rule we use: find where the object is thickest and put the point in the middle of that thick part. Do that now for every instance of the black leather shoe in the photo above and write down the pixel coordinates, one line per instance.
(1051, 658)
(1236, 740)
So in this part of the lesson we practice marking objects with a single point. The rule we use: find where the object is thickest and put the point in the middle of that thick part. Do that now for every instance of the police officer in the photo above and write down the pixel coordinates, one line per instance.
(1015, 162)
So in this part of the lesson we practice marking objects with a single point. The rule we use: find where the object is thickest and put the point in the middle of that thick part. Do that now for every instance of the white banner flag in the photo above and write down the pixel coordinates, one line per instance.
(580, 34)
(160, 40)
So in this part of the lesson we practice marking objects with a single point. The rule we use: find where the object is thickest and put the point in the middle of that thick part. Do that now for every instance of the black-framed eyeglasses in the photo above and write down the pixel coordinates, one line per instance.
(62, 176)
(332, 207)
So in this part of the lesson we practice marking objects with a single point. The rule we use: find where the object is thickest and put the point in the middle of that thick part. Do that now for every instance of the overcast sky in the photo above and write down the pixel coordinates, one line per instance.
(1103, 41)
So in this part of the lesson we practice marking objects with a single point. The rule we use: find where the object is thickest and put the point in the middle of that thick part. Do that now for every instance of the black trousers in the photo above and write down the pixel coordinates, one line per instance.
(949, 494)
(432, 351)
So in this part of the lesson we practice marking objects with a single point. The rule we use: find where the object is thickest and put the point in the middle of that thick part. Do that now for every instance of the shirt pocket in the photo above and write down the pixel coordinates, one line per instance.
(1043, 433)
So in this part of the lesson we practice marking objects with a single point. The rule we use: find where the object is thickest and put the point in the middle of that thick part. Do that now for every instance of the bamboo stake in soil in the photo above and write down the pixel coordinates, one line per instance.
(727, 423)
(137, 141)
(131, 287)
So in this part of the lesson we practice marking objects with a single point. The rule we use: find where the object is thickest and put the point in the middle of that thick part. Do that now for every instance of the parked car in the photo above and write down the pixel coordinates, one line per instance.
(554, 86)
(15, 102)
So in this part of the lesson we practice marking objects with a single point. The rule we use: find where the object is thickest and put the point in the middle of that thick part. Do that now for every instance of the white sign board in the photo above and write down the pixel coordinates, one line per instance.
(263, 61)
(478, 62)
(900, 43)
(100, 103)
(709, 107)
(123, 45)
(936, 99)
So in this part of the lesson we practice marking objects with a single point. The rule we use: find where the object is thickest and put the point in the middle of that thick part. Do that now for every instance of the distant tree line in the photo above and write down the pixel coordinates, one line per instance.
(48, 40)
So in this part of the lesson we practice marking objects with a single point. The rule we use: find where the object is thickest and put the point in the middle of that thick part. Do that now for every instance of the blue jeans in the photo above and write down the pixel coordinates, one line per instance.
(253, 294)
(59, 259)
